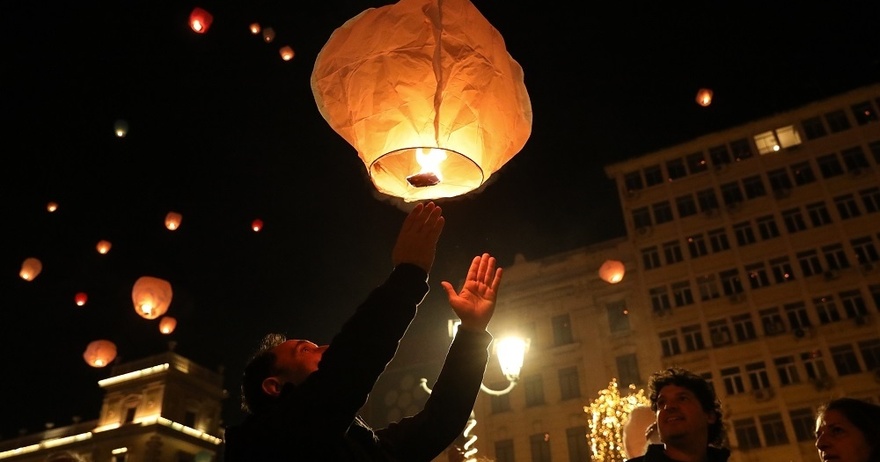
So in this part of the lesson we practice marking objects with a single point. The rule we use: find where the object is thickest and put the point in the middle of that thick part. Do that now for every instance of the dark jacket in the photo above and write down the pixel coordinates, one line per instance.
(317, 419)
(657, 453)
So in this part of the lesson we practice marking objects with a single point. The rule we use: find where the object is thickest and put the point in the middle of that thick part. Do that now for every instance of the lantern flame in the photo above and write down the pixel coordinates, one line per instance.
(429, 174)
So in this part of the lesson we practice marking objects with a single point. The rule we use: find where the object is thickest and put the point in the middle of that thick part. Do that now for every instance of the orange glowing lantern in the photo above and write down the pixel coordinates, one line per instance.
(257, 225)
(172, 220)
(286, 53)
(612, 271)
(433, 109)
(52, 206)
(80, 298)
(200, 20)
(268, 35)
(167, 325)
(103, 246)
(120, 128)
(255, 28)
(100, 353)
(151, 296)
(30, 268)
(704, 97)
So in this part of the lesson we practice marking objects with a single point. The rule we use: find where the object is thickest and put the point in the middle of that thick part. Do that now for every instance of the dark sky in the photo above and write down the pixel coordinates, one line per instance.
(223, 131)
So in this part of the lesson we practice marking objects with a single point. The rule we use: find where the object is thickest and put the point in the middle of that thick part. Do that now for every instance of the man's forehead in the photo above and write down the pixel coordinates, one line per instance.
(675, 390)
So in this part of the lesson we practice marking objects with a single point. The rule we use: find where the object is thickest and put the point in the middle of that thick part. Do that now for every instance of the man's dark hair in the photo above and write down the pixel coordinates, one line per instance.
(863, 415)
(702, 389)
(260, 366)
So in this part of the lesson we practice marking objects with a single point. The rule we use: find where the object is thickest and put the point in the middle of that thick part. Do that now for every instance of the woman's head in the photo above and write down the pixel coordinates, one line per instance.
(848, 430)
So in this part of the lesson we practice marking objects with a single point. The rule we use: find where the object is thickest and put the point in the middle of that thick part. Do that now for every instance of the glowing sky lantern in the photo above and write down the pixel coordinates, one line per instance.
(103, 246)
(442, 87)
(612, 271)
(151, 296)
(100, 353)
(200, 20)
(30, 268)
(704, 97)
(255, 28)
(52, 206)
(167, 325)
(286, 52)
(268, 34)
(172, 220)
(257, 225)
(80, 298)
(120, 128)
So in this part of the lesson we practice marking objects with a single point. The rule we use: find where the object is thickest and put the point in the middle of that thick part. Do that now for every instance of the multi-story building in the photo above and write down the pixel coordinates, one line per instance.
(752, 259)
(163, 408)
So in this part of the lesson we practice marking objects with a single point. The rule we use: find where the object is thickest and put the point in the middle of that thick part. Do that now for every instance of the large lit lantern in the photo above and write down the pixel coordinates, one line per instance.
(151, 296)
(286, 52)
(434, 107)
(80, 298)
(167, 324)
(200, 20)
(612, 271)
(103, 246)
(100, 353)
(704, 97)
(30, 268)
(172, 220)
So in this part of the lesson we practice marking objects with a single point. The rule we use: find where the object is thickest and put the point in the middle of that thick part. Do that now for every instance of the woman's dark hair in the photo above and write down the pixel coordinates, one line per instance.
(864, 415)
(701, 389)
(260, 366)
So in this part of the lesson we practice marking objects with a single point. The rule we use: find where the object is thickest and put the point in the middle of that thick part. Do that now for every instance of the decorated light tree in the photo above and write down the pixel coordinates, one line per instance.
(607, 416)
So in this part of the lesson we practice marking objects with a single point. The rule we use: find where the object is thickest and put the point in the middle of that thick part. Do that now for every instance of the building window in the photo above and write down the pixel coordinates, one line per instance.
(844, 357)
(731, 193)
(813, 365)
(826, 309)
(804, 423)
(781, 268)
(618, 318)
(534, 390)
(754, 187)
(628, 369)
(797, 315)
(707, 200)
(875, 151)
(766, 142)
(865, 250)
(733, 381)
(562, 330)
(662, 212)
(864, 112)
(693, 338)
(757, 273)
(129, 414)
(669, 343)
(730, 282)
(871, 199)
(818, 214)
(718, 240)
(719, 332)
(746, 434)
(686, 205)
(651, 257)
(803, 173)
(779, 180)
(719, 155)
(540, 446)
(854, 159)
(189, 419)
(837, 121)
(659, 299)
(758, 378)
(767, 227)
(787, 370)
(499, 403)
(743, 327)
(641, 217)
(633, 181)
(675, 169)
(672, 252)
(871, 353)
(697, 246)
(774, 429)
(576, 440)
(813, 128)
(829, 166)
(744, 233)
(653, 175)
(708, 287)
(741, 149)
(847, 206)
(772, 321)
(835, 256)
(682, 294)
(569, 384)
(809, 261)
(504, 451)
(853, 304)
(794, 220)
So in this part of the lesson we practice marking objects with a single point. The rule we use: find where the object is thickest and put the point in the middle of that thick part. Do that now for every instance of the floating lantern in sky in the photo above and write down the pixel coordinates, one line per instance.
(172, 220)
(612, 271)
(268, 34)
(167, 324)
(52, 206)
(704, 97)
(80, 298)
(100, 353)
(286, 52)
(103, 246)
(120, 128)
(433, 109)
(30, 268)
(255, 28)
(151, 296)
(257, 225)
(200, 20)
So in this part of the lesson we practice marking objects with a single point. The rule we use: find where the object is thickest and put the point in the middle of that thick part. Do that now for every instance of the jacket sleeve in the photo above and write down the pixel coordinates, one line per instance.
(425, 435)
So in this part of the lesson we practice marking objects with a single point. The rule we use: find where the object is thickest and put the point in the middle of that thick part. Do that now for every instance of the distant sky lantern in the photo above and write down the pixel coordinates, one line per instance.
(172, 220)
(100, 353)
(80, 298)
(268, 34)
(612, 271)
(255, 28)
(52, 206)
(200, 20)
(286, 52)
(151, 296)
(257, 225)
(120, 128)
(704, 97)
(30, 268)
(433, 109)
(167, 325)
(103, 246)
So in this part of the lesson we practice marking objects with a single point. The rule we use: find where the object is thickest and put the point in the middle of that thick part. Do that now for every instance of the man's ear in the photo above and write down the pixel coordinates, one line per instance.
(272, 386)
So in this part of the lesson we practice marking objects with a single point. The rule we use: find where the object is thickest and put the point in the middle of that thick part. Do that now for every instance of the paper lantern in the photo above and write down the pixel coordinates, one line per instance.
(103, 246)
(433, 108)
(167, 324)
(704, 97)
(255, 28)
(80, 298)
(200, 20)
(100, 353)
(257, 225)
(52, 206)
(172, 220)
(120, 128)
(286, 53)
(151, 296)
(612, 271)
(30, 268)
(268, 35)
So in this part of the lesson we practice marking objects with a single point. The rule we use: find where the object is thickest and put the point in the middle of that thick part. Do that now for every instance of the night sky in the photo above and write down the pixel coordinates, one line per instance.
(223, 131)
